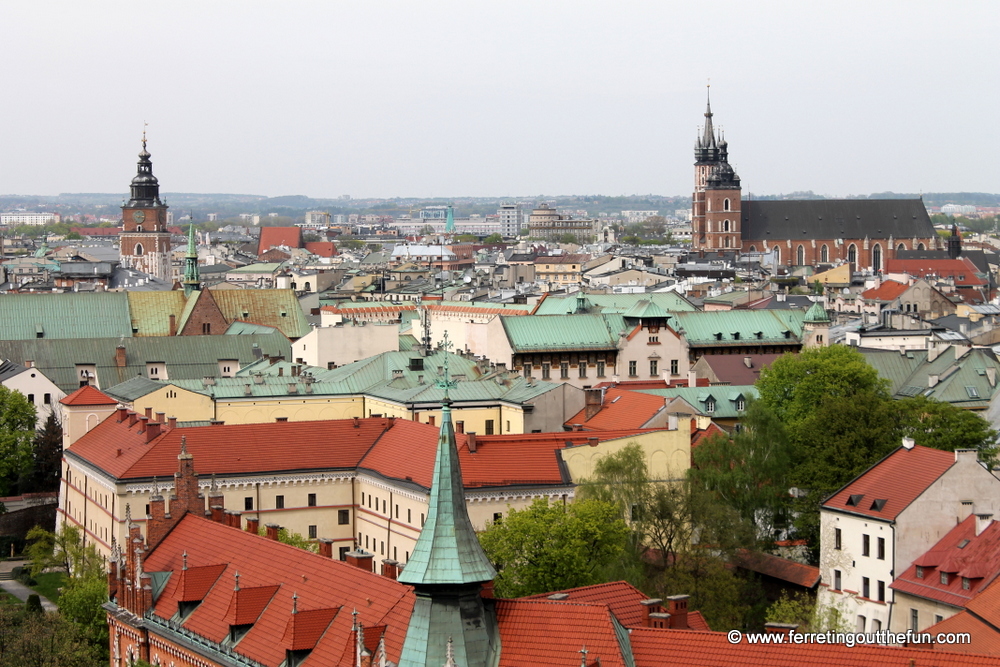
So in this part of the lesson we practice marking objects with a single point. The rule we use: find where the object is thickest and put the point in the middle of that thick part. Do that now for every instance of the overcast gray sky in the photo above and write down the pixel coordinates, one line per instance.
(448, 98)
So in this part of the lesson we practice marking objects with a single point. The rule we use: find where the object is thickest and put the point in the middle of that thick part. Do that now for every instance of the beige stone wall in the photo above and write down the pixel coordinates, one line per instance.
(668, 453)
(927, 612)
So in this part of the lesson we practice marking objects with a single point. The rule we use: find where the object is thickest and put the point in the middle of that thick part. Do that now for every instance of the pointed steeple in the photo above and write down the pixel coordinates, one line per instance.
(192, 281)
(708, 135)
(449, 224)
(145, 188)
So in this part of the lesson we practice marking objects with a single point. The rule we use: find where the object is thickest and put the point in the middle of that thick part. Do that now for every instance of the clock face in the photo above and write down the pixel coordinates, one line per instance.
(138, 216)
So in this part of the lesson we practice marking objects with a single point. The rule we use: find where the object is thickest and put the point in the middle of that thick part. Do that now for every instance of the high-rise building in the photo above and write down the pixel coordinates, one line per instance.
(511, 219)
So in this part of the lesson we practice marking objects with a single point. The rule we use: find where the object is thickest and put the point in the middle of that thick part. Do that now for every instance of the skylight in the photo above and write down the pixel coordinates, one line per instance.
(972, 392)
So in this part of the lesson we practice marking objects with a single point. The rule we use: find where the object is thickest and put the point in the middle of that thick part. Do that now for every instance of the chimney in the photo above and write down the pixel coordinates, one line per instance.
(152, 430)
(748, 362)
(933, 379)
(171, 423)
(692, 378)
(149, 413)
(173, 324)
(161, 417)
(659, 619)
(650, 606)
(218, 514)
(470, 441)
(326, 547)
(357, 423)
(594, 401)
(360, 559)
(672, 421)
(272, 531)
(120, 356)
(390, 568)
(122, 413)
(132, 418)
(983, 522)
(143, 419)
(780, 628)
(908, 443)
(459, 427)
(253, 525)
(592, 441)
(677, 607)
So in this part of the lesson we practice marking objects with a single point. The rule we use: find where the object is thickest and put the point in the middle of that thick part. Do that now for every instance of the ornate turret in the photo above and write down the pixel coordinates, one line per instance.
(447, 570)
(716, 219)
(192, 281)
(145, 188)
(144, 243)
(706, 148)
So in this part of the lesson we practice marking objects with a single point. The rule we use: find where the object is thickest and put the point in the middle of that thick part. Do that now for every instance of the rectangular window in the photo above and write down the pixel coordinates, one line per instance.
(546, 371)
(966, 584)
(836, 580)
(914, 620)
(866, 587)
(248, 503)
(938, 618)
(489, 427)
(583, 369)
(920, 572)
(206, 328)
(343, 552)
(654, 367)
(312, 532)
(881, 548)
(409, 516)
(312, 500)
(564, 370)
(397, 510)
(430, 420)
(674, 367)
(279, 502)
(837, 544)
(343, 517)
(497, 516)
(528, 370)
(31, 398)
(865, 546)
(633, 368)
(47, 399)
(421, 519)
(944, 578)
(881, 591)
(600, 369)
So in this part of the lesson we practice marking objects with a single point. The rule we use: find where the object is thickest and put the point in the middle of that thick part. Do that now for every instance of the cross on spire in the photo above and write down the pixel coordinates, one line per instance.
(583, 656)
(446, 382)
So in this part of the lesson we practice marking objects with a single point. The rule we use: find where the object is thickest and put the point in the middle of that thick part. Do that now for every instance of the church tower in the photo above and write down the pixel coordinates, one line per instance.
(715, 205)
(192, 280)
(144, 243)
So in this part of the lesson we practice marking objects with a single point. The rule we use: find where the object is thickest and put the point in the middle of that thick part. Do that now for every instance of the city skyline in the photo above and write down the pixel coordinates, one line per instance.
(446, 99)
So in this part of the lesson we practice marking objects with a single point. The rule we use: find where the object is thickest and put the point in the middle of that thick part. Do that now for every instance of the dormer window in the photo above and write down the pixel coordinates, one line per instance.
(854, 499)
(944, 578)
(920, 572)
(710, 405)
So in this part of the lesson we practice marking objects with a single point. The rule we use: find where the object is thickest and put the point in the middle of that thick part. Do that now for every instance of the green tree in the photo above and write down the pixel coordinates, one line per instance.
(286, 536)
(64, 550)
(46, 465)
(45, 640)
(801, 609)
(17, 429)
(749, 470)
(80, 602)
(465, 238)
(569, 239)
(942, 425)
(73, 236)
(551, 547)
(493, 239)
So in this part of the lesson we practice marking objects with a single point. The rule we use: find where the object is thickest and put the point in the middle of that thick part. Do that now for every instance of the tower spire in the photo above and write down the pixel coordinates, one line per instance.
(192, 281)
(708, 136)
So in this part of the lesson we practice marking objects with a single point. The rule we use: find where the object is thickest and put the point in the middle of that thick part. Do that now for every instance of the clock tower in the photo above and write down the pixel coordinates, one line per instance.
(144, 243)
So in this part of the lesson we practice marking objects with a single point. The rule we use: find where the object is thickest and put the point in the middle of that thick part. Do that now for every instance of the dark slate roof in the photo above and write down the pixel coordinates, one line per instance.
(835, 219)
(9, 369)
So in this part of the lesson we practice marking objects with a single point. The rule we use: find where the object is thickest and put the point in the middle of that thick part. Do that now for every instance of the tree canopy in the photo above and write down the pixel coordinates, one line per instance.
(17, 430)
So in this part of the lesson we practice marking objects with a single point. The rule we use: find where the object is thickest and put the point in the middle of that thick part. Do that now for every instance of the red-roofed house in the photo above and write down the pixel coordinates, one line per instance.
(82, 410)
(273, 237)
(732, 368)
(615, 409)
(981, 619)
(942, 581)
(961, 272)
(322, 248)
(888, 517)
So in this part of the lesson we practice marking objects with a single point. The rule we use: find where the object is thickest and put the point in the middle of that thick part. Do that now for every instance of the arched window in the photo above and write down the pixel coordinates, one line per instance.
(824, 254)
(777, 255)
(852, 254)
(753, 248)
(726, 243)
(725, 205)
(138, 249)
(308, 288)
(920, 246)
(900, 248)
(138, 228)
(800, 256)
(725, 225)
(877, 258)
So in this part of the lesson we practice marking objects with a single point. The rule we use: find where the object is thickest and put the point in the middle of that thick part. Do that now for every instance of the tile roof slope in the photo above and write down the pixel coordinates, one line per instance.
(732, 368)
(700, 328)
(621, 409)
(545, 632)
(726, 397)
(686, 648)
(305, 628)
(985, 638)
(88, 395)
(965, 273)
(185, 356)
(278, 308)
(276, 236)
(621, 597)
(151, 311)
(887, 291)
(777, 567)
(836, 219)
(978, 560)
(671, 302)
(318, 581)
(533, 333)
(67, 315)
(229, 449)
(898, 478)
(194, 583)
(321, 248)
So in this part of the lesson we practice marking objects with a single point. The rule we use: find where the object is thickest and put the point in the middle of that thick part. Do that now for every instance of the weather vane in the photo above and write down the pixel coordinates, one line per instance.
(446, 382)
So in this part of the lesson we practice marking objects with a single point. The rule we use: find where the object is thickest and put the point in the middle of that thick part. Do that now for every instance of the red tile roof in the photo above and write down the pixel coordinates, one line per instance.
(88, 395)
(684, 648)
(984, 636)
(621, 597)
(699, 436)
(978, 560)
(732, 368)
(897, 479)
(195, 582)
(306, 627)
(320, 584)
(246, 604)
(322, 248)
(545, 632)
(887, 291)
(621, 409)
(777, 567)
(961, 269)
(275, 236)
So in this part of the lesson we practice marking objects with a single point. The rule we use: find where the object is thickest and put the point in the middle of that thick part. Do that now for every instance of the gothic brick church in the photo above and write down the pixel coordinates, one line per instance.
(863, 232)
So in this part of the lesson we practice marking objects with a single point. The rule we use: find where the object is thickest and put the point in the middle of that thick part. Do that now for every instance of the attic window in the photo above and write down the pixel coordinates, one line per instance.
(184, 609)
(854, 499)
(417, 364)
(972, 392)
(878, 504)
(710, 405)
(718, 336)
(736, 335)
(236, 633)
(920, 572)
(962, 544)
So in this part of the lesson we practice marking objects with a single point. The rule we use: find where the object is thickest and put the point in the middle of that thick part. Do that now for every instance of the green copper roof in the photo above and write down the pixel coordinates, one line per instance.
(963, 381)
(620, 303)
(151, 311)
(816, 314)
(447, 551)
(646, 309)
(134, 388)
(719, 402)
(537, 333)
(68, 315)
(740, 327)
